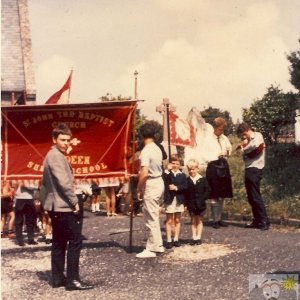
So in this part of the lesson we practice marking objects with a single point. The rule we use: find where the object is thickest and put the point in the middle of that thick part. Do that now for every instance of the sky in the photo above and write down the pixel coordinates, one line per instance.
(196, 53)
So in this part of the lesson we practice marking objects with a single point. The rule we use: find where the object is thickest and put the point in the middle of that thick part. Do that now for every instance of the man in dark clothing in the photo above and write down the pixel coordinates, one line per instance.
(253, 148)
(59, 199)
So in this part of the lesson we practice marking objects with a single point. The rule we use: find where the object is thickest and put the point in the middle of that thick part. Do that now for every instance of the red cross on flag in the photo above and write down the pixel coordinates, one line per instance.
(182, 133)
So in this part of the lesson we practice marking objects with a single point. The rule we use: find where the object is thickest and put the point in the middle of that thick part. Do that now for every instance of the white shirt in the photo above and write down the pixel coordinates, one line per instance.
(258, 161)
(216, 146)
(194, 179)
(151, 157)
(177, 172)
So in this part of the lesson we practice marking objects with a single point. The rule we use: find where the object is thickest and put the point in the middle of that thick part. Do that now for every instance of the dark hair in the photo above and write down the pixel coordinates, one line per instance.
(175, 157)
(242, 128)
(61, 128)
(147, 130)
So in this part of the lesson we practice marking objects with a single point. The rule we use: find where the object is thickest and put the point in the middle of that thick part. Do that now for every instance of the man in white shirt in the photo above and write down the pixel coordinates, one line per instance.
(253, 148)
(218, 148)
(150, 188)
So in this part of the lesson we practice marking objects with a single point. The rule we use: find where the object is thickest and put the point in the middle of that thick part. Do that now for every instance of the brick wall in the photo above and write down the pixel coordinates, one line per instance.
(16, 55)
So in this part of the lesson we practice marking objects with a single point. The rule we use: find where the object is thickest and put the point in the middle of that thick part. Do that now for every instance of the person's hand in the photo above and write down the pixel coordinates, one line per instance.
(172, 187)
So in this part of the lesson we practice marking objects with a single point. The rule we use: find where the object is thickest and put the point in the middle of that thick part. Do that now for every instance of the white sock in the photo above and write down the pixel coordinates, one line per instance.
(97, 206)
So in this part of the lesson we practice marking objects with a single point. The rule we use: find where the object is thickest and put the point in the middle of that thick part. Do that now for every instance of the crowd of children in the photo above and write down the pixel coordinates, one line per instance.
(32, 218)
(181, 192)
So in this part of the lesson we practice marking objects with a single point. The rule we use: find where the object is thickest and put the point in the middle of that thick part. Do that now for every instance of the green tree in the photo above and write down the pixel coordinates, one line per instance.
(109, 97)
(269, 114)
(294, 59)
(210, 113)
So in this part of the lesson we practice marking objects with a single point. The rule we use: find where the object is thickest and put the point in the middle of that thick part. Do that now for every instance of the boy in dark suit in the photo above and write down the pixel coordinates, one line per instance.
(175, 186)
(197, 193)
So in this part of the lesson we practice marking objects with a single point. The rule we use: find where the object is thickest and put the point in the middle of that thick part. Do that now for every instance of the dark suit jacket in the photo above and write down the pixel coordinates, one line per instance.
(181, 183)
(197, 194)
(57, 189)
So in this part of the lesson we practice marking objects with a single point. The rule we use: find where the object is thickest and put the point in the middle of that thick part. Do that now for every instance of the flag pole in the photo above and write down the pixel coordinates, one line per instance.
(71, 76)
(168, 127)
(131, 180)
(25, 96)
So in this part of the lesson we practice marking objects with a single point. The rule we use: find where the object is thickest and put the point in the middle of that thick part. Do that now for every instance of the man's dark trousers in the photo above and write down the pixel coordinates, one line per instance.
(66, 233)
(253, 177)
(25, 207)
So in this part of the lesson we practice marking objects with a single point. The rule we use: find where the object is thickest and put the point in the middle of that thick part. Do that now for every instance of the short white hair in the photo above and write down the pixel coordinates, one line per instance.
(193, 163)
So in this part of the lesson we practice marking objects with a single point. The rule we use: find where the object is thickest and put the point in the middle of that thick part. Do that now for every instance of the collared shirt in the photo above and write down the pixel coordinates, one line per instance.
(176, 173)
(151, 157)
(216, 146)
(194, 179)
(258, 161)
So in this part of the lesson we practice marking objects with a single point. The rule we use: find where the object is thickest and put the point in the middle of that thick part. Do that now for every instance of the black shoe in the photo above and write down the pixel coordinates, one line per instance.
(48, 241)
(176, 244)
(193, 242)
(21, 243)
(169, 245)
(77, 285)
(251, 225)
(57, 284)
(32, 242)
(216, 225)
(222, 224)
(198, 242)
(263, 226)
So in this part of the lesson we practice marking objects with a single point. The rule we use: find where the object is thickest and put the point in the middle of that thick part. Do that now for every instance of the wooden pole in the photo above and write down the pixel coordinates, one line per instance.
(131, 180)
(13, 102)
(168, 130)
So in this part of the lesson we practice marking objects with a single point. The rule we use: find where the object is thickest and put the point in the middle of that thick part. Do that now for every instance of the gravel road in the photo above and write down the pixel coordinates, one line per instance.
(217, 270)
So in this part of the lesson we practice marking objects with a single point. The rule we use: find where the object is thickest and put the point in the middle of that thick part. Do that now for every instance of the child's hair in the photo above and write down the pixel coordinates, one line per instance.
(61, 128)
(175, 157)
(192, 163)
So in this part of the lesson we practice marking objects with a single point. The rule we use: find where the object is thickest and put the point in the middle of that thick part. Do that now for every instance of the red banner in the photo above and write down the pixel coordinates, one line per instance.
(99, 145)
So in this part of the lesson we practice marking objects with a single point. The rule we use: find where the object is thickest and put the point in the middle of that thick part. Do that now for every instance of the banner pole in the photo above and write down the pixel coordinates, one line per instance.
(168, 129)
(131, 181)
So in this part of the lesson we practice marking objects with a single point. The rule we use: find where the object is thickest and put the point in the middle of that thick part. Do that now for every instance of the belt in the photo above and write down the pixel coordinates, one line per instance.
(150, 177)
(61, 213)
